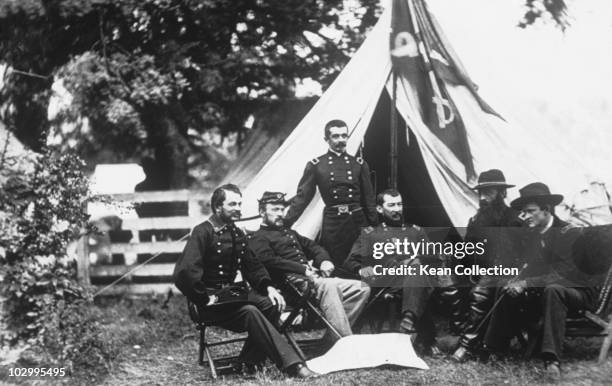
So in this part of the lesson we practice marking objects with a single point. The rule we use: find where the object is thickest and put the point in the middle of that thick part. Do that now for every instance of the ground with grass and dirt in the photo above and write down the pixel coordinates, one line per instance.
(155, 343)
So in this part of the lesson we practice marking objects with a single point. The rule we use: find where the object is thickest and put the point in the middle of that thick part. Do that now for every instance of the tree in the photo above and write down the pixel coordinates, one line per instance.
(538, 9)
(148, 77)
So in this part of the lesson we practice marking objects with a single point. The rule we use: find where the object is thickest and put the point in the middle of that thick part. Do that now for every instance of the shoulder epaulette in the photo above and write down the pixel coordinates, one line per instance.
(314, 161)
(359, 160)
(418, 228)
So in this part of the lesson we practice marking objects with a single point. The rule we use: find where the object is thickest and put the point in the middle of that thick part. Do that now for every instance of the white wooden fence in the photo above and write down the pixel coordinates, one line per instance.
(152, 277)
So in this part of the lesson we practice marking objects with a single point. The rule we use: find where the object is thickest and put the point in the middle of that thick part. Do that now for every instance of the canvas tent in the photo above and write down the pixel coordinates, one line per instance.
(437, 163)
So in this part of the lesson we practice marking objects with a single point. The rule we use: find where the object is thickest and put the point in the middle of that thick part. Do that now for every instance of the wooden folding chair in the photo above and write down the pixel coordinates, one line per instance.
(216, 364)
(587, 323)
(598, 322)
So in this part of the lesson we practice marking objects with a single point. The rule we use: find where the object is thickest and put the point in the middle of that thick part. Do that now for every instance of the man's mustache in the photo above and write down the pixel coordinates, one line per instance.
(484, 203)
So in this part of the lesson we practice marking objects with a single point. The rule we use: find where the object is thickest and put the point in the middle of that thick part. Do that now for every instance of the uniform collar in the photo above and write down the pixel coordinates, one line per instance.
(385, 226)
(330, 151)
(217, 223)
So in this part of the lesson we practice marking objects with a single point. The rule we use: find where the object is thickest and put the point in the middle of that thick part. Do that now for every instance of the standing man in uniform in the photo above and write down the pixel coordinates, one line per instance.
(497, 225)
(286, 255)
(205, 273)
(345, 187)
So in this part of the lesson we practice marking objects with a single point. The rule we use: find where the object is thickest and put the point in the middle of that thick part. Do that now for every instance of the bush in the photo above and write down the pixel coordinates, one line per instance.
(42, 209)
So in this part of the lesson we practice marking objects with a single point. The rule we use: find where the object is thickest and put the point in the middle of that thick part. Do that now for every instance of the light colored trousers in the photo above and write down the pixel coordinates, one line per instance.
(341, 301)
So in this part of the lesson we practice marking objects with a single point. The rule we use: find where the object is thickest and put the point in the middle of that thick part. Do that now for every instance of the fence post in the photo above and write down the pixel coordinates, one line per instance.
(194, 209)
(83, 260)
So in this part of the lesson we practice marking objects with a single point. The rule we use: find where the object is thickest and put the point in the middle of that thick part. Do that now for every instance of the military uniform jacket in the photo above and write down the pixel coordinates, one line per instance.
(283, 250)
(211, 259)
(361, 254)
(342, 179)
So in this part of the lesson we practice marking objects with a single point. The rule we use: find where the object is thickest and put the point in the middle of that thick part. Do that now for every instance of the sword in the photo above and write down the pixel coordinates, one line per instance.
(488, 315)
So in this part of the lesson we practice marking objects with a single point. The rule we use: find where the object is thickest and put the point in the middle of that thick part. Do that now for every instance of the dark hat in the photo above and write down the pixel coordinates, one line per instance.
(273, 198)
(536, 192)
(493, 178)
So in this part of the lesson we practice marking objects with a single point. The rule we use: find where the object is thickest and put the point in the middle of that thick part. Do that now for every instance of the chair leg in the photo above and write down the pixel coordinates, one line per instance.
(202, 345)
(323, 318)
(205, 349)
(605, 346)
(211, 362)
(295, 345)
(532, 342)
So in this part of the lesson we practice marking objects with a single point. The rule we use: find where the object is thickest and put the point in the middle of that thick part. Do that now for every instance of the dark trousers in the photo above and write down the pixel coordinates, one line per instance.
(480, 299)
(415, 293)
(338, 234)
(549, 306)
(257, 318)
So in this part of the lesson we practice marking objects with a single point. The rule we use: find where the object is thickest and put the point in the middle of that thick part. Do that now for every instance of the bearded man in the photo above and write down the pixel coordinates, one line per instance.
(496, 225)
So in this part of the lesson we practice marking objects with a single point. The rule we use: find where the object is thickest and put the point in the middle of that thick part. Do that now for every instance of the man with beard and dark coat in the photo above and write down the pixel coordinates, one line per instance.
(496, 225)
(415, 290)
(345, 187)
(205, 273)
(550, 287)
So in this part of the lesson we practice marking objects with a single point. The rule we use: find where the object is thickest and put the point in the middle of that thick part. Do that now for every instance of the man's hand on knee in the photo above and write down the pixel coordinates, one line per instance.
(276, 298)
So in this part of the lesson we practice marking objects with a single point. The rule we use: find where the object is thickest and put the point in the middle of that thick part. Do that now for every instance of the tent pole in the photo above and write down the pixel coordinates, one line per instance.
(393, 136)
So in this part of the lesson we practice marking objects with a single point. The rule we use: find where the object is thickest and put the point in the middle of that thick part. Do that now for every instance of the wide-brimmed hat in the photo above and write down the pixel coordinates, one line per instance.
(536, 192)
(493, 178)
(273, 198)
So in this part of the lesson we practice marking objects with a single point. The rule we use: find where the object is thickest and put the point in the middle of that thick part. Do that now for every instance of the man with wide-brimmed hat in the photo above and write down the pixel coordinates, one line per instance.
(494, 224)
(550, 287)
(288, 255)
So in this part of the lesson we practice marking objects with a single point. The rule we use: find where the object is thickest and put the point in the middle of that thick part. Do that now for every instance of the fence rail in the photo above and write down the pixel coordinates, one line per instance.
(162, 240)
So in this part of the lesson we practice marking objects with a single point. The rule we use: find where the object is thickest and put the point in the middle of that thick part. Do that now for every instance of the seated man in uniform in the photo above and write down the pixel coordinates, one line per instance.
(415, 290)
(286, 255)
(215, 252)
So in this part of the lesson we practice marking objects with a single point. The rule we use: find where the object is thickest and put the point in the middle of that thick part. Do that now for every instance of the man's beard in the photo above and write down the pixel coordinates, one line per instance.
(278, 223)
(394, 222)
(491, 214)
(228, 217)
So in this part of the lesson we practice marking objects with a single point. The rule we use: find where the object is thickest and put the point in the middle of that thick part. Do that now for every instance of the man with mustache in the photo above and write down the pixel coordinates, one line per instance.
(496, 225)
(345, 187)
(286, 255)
(415, 290)
(205, 273)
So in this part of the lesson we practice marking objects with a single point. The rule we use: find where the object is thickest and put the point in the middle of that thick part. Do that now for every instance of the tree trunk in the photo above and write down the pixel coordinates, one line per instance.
(167, 137)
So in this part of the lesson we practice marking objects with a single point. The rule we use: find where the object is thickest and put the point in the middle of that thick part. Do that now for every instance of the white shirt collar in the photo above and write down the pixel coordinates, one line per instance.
(549, 225)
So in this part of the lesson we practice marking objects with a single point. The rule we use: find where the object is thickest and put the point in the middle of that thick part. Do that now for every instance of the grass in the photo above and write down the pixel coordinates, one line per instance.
(158, 346)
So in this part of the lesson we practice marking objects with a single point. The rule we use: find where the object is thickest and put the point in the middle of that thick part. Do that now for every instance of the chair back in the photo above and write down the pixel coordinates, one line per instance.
(604, 302)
